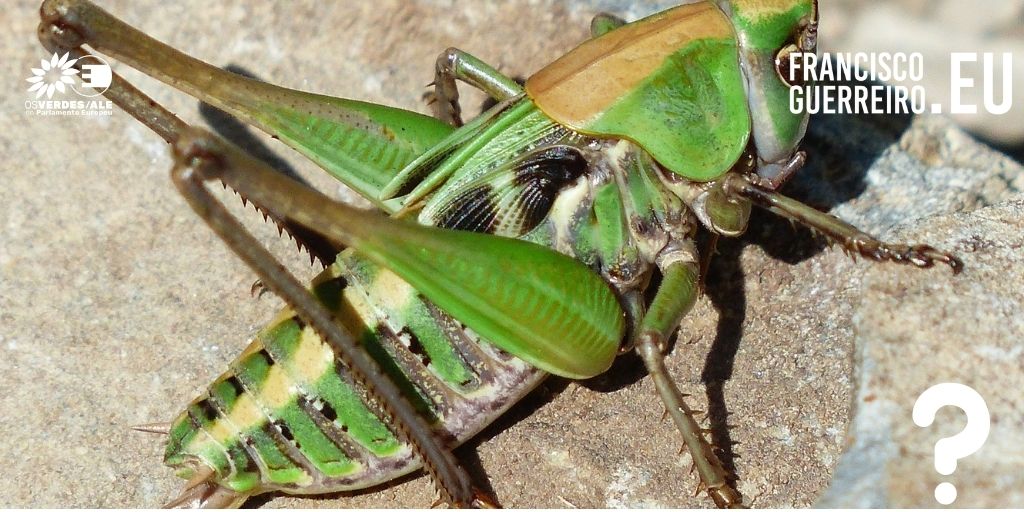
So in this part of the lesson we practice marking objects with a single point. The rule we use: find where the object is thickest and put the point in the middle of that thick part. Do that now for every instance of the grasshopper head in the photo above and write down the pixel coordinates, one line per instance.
(770, 32)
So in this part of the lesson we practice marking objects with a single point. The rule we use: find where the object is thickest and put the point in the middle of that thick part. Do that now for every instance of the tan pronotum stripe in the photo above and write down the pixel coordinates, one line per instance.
(581, 85)
(756, 9)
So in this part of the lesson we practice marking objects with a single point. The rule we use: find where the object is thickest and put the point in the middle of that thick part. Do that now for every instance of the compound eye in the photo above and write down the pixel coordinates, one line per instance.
(784, 66)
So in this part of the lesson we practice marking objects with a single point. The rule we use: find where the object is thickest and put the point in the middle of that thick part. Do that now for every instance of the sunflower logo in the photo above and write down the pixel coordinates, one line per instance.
(52, 75)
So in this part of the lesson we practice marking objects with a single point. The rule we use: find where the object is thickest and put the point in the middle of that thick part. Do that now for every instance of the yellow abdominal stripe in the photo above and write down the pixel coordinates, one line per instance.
(310, 360)
(390, 289)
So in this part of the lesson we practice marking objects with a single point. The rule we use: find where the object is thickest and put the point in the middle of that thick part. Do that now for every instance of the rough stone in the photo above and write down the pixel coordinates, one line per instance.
(914, 331)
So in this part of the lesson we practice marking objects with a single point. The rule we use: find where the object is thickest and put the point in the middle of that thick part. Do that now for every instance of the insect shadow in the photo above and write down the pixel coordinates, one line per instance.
(319, 247)
(240, 135)
(841, 149)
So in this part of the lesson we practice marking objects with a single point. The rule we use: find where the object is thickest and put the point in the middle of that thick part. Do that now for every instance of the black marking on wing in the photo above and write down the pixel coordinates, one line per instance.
(513, 200)
(474, 210)
(541, 177)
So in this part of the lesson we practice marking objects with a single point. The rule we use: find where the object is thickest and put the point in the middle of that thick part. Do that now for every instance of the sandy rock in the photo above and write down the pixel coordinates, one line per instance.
(914, 331)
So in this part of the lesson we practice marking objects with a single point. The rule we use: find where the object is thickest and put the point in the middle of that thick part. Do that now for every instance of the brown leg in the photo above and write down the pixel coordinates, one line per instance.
(200, 157)
(849, 237)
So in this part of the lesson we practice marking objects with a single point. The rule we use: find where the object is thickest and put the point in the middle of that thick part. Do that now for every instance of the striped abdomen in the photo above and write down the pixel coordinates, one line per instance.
(287, 415)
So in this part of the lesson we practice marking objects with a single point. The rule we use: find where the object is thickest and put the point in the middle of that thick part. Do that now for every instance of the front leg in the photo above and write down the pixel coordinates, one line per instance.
(676, 295)
(456, 64)
(852, 240)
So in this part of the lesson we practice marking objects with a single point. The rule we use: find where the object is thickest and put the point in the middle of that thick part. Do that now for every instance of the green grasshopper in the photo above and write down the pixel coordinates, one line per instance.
(517, 245)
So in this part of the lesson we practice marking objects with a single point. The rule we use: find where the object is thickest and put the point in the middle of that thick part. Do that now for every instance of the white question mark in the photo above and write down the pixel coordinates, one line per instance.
(968, 441)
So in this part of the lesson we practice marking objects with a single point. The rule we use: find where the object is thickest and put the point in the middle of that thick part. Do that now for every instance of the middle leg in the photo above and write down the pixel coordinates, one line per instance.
(675, 296)
(455, 64)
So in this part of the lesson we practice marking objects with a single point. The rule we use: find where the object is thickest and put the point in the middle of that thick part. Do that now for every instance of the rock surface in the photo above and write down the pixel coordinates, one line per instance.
(117, 306)
(914, 331)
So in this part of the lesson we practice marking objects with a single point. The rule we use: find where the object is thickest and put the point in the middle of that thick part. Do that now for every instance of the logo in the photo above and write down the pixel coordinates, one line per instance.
(76, 83)
(851, 83)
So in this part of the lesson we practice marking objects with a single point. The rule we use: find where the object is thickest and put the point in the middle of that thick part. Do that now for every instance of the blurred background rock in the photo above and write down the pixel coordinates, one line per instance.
(935, 28)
